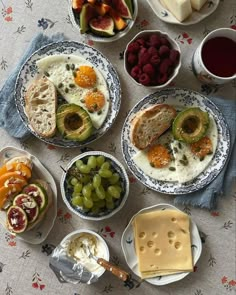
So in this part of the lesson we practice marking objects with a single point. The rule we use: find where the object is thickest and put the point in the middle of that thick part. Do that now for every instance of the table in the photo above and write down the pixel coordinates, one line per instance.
(24, 267)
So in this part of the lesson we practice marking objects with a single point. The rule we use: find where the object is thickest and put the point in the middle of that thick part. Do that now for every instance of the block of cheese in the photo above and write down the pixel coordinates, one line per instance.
(197, 4)
(181, 9)
(162, 243)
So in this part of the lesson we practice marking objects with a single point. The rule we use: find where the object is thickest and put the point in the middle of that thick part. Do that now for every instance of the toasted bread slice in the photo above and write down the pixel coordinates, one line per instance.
(150, 123)
(40, 107)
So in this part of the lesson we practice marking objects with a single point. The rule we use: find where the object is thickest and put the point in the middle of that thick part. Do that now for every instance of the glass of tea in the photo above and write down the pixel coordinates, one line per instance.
(214, 61)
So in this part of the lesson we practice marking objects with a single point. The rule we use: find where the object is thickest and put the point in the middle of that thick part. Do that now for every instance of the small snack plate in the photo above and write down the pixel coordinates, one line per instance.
(38, 234)
(165, 15)
(178, 98)
(128, 247)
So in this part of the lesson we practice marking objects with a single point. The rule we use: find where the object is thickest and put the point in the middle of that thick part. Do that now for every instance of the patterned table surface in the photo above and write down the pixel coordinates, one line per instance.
(24, 267)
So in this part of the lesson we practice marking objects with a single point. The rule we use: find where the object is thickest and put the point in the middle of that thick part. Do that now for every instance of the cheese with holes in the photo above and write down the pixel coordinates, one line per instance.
(162, 243)
(197, 4)
(181, 9)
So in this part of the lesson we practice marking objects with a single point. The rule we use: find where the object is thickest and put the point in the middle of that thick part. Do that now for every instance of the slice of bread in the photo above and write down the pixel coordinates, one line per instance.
(150, 123)
(40, 107)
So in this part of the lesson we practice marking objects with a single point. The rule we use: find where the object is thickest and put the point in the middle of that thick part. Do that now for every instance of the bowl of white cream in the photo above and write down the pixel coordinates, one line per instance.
(77, 244)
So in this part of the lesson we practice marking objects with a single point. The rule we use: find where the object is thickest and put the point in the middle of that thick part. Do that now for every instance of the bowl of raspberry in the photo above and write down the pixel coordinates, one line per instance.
(152, 59)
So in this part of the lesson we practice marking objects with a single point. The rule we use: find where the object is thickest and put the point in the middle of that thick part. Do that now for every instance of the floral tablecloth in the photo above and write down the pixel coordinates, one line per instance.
(23, 267)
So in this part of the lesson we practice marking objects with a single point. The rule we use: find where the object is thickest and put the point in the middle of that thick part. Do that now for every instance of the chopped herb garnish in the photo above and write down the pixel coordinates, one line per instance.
(152, 164)
(60, 85)
(202, 158)
(175, 150)
(99, 112)
(82, 100)
(72, 67)
(47, 74)
(180, 145)
(184, 163)
(66, 90)
(74, 74)
(67, 67)
(172, 168)
(71, 85)
(185, 158)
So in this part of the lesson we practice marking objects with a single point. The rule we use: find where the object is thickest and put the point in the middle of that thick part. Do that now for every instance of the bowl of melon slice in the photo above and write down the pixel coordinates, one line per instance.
(103, 20)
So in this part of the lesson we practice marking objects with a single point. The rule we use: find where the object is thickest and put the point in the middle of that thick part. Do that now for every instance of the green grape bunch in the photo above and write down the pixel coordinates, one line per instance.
(95, 185)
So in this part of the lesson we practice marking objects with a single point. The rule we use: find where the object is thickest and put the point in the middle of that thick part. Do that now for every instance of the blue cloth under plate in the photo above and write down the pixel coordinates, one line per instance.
(222, 185)
(9, 117)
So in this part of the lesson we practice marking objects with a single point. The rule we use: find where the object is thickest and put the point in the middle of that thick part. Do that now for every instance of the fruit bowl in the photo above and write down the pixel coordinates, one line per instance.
(102, 16)
(94, 185)
(152, 59)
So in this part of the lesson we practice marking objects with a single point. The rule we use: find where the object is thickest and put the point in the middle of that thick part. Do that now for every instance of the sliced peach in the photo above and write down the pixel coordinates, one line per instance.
(22, 168)
(8, 192)
(12, 178)
(120, 24)
(102, 8)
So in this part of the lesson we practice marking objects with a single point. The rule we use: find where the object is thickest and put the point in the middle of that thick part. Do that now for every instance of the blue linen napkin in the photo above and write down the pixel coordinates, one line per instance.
(222, 185)
(9, 118)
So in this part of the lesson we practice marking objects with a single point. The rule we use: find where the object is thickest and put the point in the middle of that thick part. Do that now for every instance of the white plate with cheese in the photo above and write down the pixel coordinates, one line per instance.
(196, 16)
(128, 246)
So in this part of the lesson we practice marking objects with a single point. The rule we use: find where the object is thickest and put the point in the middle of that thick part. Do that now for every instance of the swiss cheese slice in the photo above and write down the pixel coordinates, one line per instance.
(162, 243)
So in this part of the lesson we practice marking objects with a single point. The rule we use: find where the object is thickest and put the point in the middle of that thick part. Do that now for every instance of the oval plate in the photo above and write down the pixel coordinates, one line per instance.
(178, 98)
(29, 72)
(197, 16)
(38, 234)
(128, 247)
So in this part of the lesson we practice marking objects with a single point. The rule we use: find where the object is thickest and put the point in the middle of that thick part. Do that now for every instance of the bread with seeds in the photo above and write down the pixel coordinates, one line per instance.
(40, 107)
(151, 123)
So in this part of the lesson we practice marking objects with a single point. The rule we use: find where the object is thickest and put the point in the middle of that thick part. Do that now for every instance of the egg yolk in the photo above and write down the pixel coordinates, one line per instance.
(85, 77)
(94, 101)
(202, 147)
(158, 156)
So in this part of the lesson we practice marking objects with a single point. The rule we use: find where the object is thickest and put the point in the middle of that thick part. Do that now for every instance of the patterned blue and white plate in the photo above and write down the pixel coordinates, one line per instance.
(178, 98)
(29, 72)
(128, 247)
(194, 18)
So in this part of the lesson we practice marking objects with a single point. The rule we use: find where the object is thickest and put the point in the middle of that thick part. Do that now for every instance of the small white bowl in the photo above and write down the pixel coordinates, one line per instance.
(96, 38)
(67, 193)
(73, 235)
(174, 45)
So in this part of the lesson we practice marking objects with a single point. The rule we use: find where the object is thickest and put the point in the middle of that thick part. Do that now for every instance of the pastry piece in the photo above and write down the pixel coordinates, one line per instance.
(181, 9)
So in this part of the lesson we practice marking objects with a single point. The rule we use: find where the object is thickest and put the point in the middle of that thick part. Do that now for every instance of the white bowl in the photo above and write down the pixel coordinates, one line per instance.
(175, 46)
(73, 235)
(96, 38)
(66, 192)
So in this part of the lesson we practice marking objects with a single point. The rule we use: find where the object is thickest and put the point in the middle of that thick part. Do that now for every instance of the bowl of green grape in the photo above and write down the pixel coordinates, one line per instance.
(94, 185)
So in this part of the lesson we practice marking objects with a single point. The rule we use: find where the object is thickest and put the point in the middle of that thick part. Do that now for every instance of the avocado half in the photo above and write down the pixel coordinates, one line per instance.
(190, 125)
(73, 122)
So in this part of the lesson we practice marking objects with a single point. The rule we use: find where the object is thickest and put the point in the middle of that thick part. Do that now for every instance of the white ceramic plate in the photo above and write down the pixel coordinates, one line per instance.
(38, 234)
(197, 16)
(128, 247)
(178, 98)
(29, 72)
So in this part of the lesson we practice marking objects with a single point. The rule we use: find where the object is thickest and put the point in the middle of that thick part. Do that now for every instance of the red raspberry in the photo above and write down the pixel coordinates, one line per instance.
(141, 42)
(149, 69)
(162, 79)
(164, 41)
(132, 59)
(144, 79)
(144, 56)
(155, 60)
(174, 56)
(136, 72)
(164, 51)
(155, 41)
(152, 50)
(133, 47)
(164, 66)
